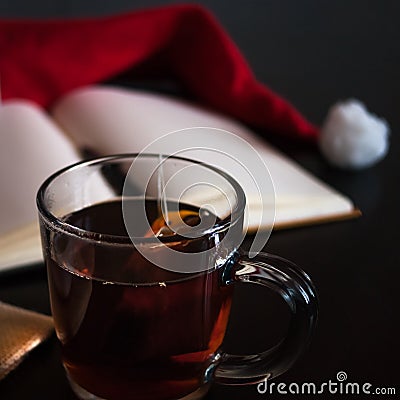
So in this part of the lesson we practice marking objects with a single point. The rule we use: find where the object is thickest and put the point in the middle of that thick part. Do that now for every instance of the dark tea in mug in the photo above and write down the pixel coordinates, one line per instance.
(128, 326)
(141, 309)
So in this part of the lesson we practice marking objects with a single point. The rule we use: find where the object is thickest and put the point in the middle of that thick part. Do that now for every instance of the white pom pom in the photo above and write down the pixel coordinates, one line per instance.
(351, 137)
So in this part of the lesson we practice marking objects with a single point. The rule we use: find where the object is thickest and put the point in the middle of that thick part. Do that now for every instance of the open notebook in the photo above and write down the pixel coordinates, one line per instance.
(107, 120)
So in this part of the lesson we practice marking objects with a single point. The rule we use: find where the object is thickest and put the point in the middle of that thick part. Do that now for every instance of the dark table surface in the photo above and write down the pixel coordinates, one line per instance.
(313, 54)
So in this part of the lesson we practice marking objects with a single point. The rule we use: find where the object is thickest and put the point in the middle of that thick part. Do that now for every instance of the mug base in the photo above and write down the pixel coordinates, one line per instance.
(83, 394)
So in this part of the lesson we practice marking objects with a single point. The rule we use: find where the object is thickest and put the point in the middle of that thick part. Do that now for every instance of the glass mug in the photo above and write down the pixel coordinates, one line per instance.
(136, 326)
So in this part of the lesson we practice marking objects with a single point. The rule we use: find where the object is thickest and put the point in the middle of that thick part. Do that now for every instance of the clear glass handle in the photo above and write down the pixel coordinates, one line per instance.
(296, 288)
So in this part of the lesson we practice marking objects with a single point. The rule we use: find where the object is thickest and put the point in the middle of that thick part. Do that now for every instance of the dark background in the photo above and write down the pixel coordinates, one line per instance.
(313, 53)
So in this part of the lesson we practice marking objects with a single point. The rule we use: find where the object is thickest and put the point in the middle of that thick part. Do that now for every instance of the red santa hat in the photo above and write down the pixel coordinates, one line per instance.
(42, 60)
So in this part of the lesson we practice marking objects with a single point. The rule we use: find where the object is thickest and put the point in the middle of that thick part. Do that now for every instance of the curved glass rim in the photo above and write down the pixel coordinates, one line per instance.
(58, 224)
